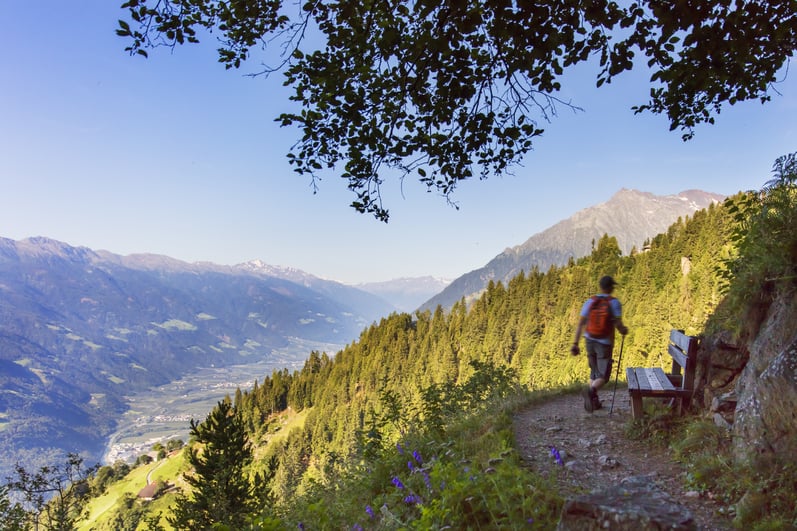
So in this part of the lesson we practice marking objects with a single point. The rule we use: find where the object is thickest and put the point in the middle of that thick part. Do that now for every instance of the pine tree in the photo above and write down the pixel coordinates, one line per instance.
(221, 491)
(12, 515)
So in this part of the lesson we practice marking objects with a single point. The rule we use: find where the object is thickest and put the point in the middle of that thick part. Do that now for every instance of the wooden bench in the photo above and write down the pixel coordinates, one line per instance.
(654, 382)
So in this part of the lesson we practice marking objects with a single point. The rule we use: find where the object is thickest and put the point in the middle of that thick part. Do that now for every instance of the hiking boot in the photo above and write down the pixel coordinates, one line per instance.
(596, 404)
(588, 393)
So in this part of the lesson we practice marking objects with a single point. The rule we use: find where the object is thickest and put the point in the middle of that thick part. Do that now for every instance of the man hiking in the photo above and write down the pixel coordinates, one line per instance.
(600, 315)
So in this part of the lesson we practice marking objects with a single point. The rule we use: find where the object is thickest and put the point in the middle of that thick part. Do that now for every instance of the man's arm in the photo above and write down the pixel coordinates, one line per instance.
(574, 350)
(617, 310)
(618, 324)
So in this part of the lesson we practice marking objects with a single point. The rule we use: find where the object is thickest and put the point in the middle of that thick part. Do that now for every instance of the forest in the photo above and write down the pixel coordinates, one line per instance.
(375, 435)
(526, 326)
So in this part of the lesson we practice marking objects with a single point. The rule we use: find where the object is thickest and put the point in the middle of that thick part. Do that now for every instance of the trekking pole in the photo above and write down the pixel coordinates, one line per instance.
(617, 375)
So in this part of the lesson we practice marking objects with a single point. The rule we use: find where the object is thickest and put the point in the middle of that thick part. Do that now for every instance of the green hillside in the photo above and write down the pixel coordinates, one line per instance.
(409, 426)
(526, 326)
(397, 379)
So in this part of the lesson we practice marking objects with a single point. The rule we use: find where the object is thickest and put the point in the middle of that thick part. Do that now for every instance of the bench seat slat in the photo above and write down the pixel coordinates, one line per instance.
(664, 382)
(650, 382)
(630, 376)
(644, 383)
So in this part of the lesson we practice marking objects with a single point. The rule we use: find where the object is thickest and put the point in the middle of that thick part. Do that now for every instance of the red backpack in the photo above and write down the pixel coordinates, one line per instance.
(600, 320)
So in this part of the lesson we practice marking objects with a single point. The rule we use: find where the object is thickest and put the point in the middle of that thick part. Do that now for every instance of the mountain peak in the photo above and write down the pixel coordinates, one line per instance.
(631, 216)
(38, 246)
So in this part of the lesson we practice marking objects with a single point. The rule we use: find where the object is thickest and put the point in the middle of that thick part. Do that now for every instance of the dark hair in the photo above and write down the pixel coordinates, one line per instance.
(607, 283)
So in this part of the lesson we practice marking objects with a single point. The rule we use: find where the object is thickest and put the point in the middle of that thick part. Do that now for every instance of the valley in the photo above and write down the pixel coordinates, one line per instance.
(164, 412)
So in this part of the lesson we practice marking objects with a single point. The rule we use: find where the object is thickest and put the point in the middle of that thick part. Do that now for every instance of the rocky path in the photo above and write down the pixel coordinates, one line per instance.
(595, 452)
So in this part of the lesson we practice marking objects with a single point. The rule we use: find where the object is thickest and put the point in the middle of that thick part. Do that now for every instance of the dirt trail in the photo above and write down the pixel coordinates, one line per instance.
(596, 452)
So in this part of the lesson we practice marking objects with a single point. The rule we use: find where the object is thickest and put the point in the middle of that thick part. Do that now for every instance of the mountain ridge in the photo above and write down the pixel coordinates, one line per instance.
(629, 215)
(143, 320)
(406, 293)
(82, 329)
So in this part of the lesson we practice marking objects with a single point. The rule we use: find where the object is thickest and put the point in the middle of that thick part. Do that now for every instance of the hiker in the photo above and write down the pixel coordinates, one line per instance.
(600, 315)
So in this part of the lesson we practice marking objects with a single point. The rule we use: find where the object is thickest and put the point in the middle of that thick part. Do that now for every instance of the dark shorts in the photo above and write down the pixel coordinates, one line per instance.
(600, 360)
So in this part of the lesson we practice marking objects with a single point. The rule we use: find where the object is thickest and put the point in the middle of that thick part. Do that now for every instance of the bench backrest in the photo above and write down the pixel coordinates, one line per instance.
(683, 349)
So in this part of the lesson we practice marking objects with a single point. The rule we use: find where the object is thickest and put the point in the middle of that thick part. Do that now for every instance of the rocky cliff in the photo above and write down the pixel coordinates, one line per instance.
(750, 386)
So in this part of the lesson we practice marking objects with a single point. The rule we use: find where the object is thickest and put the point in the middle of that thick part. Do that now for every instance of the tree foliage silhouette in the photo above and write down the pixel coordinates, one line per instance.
(445, 91)
(54, 497)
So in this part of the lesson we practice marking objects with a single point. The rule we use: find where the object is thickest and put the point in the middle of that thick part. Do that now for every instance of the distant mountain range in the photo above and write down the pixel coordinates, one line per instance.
(82, 329)
(630, 216)
(406, 294)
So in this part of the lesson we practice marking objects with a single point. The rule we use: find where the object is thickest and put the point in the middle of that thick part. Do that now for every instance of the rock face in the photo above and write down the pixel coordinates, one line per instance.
(751, 389)
(766, 414)
(636, 504)
(721, 361)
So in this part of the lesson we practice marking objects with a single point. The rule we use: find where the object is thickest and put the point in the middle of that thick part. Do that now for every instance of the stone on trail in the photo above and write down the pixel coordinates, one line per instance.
(637, 504)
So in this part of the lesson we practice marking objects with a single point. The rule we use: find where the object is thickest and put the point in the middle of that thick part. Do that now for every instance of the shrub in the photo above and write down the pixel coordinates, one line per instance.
(766, 246)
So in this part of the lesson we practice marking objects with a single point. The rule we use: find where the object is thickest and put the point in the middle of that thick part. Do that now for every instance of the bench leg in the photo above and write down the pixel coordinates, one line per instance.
(682, 404)
(636, 405)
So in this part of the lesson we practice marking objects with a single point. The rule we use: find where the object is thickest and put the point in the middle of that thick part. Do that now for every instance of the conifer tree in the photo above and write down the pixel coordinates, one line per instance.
(12, 515)
(221, 491)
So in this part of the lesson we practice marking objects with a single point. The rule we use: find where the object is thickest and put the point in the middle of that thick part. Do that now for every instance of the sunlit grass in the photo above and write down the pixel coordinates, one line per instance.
(102, 507)
(176, 324)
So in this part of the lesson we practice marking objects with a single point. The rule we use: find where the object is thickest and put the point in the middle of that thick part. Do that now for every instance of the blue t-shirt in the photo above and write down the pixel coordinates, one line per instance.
(616, 308)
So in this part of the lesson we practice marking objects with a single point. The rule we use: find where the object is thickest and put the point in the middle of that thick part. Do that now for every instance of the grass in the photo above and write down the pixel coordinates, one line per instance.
(760, 495)
(467, 476)
(101, 508)
(176, 324)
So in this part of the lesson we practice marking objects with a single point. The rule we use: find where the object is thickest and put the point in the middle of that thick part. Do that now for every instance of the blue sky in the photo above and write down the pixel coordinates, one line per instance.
(174, 155)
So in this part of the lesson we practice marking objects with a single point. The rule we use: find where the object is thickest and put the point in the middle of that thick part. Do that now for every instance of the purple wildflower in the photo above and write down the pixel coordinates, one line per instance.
(301, 526)
(397, 482)
(426, 479)
(557, 457)
(369, 511)
(417, 455)
(412, 499)
(410, 466)
(357, 527)
(399, 448)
